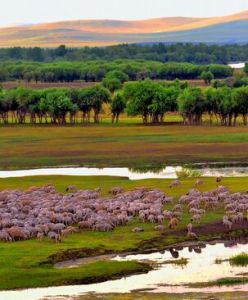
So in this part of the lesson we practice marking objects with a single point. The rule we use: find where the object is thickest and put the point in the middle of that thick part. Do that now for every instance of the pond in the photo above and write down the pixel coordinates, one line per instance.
(166, 278)
(169, 172)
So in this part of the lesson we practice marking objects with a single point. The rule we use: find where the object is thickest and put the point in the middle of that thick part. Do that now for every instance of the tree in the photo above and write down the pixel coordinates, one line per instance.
(121, 76)
(139, 96)
(60, 51)
(246, 68)
(207, 76)
(150, 99)
(111, 84)
(58, 104)
(97, 96)
(241, 101)
(117, 106)
(191, 105)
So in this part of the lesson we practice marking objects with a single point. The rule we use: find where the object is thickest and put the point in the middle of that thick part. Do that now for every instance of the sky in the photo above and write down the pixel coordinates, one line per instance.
(39, 11)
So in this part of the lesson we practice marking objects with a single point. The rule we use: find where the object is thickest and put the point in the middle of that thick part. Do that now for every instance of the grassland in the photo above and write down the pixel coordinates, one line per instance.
(22, 263)
(240, 259)
(153, 296)
(126, 144)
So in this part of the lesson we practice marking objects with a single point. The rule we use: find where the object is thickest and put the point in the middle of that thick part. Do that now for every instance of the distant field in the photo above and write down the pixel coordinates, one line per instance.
(126, 144)
(75, 84)
(45, 85)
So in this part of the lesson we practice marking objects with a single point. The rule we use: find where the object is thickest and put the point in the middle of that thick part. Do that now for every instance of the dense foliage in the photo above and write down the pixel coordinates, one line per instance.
(180, 52)
(52, 105)
(149, 99)
(113, 73)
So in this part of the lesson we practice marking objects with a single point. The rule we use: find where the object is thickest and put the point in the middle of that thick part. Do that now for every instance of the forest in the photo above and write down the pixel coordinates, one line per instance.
(148, 99)
(179, 52)
(94, 71)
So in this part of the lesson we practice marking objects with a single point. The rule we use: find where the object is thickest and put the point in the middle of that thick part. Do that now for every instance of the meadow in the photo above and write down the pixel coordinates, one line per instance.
(30, 263)
(126, 144)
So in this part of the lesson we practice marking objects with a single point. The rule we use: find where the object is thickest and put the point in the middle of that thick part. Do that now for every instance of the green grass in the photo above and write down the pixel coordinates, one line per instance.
(20, 262)
(239, 260)
(126, 144)
(167, 296)
(221, 282)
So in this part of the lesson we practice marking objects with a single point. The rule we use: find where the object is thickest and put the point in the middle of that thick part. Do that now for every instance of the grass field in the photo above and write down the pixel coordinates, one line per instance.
(126, 144)
(20, 261)
(155, 296)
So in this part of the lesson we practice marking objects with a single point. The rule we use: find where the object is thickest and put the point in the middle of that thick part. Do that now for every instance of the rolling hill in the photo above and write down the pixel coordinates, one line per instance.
(221, 30)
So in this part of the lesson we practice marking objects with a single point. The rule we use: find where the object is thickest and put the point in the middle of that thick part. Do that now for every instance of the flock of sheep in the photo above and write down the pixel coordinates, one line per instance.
(41, 211)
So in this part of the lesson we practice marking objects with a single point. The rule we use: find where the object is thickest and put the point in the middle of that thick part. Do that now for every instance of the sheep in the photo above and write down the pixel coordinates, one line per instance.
(160, 218)
(159, 227)
(218, 179)
(198, 183)
(4, 236)
(189, 227)
(16, 233)
(54, 236)
(41, 210)
(40, 236)
(116, 190)
(227, 223)
(137, 229)
(192, 235)
(173, 223)
(175, 183)
(196, 218)
(71, 188)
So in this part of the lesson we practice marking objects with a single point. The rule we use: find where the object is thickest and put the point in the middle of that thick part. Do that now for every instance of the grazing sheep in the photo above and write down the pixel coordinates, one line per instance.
(4, 236)
(116, 190)
(159, 227)
(196, 218)
(218, 179)
(198, 183)
(227, 223)
(71, 189)
(173, 223)
(189, 227)
(16, 233)
(175, 183)
(54, 236)
(192, 235)
(41, 211)
(40, 236)
(137, 229)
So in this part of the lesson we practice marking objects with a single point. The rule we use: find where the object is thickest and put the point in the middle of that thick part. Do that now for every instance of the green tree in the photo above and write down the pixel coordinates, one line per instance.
(207, 76)
(191, 105)
(117, 106)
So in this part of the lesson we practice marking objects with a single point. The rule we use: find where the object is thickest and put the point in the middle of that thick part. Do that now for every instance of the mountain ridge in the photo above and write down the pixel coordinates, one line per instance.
(76, 33)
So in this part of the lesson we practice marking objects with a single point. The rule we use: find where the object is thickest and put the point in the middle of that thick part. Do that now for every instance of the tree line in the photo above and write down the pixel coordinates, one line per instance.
(95, 71)
(178, 52)
(149, 99)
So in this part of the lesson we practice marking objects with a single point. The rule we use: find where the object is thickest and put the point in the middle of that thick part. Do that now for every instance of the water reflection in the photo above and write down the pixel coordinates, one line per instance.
(169, 278)
(169, 172)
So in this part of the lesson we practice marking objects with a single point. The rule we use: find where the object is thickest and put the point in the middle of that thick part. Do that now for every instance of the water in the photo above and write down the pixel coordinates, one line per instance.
(239, 65)
(168, 172)
(200, 268)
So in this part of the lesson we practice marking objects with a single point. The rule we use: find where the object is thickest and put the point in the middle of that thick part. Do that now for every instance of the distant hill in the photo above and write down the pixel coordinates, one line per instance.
(220, 30)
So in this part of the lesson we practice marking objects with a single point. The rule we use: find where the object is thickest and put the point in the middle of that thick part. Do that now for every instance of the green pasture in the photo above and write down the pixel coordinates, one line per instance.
(25, 264)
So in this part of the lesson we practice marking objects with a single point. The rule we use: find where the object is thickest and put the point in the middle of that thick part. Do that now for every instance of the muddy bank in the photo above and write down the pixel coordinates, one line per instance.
(142, 268)
(210, 234)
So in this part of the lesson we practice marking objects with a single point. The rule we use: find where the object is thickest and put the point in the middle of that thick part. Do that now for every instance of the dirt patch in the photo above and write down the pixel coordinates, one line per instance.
(72, 254)
(143, 268)
(207, 232)
(217, 228)
(46, 85)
